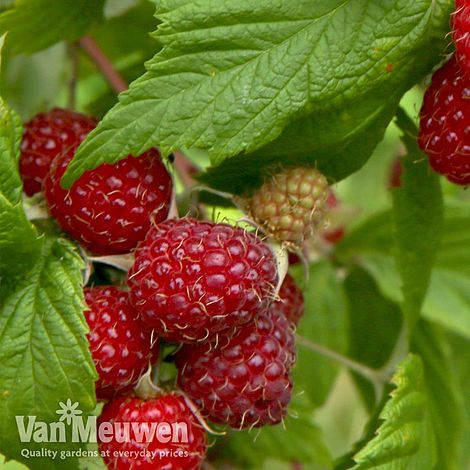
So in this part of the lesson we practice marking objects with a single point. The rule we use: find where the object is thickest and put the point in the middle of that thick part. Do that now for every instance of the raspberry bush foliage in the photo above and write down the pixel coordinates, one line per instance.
(247, 218)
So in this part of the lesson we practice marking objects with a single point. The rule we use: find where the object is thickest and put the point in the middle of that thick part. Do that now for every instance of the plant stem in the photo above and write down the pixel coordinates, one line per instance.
(185, 169)
(103, 64)
(376, 377)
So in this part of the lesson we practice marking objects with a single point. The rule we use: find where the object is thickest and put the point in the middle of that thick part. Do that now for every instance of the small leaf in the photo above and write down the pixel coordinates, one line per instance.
(44, 352)
(418, 216)
(405, 439)
(33, 25)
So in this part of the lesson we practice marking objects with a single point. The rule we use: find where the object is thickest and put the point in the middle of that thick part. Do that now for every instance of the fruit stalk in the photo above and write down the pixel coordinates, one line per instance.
(103, 64)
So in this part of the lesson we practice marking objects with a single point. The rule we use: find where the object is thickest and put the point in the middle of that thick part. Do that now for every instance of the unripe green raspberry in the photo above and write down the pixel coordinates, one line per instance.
(290, 206)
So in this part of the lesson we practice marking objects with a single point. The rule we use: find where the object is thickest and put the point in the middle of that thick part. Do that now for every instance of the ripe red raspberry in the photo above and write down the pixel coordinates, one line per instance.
(192, 279)
(291, 300)
(110, 209)
(461, 33)
(120, 346)
(163, 429)
(45, 136)
(444, 133)
(291, 205)
(243, 379)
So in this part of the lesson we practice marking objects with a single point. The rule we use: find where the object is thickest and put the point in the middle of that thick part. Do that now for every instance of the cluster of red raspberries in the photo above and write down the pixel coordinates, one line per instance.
(444, 133)
(210, 287)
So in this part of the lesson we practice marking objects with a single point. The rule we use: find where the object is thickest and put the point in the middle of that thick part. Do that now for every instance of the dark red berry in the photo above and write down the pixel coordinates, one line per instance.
(121, 348)
(46, 136)
(244, 379)
(192, 279)
(291, 300)
(110, 209)
(461, 33)
(444, 133)
(163, 432)
(294, 258)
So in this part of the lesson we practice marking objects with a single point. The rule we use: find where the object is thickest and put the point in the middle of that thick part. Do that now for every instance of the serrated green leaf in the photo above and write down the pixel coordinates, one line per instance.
(445, 398)
(11, 132)
(298, 441)
(44, 352)
(19, 242)
(405, 439)
(33, 25)
(325, 322)
(418, 217)
(232, 76)
(459, 357)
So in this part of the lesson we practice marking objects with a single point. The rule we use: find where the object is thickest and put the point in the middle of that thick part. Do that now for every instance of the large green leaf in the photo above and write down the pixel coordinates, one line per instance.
(44, 353)
(311, 140)
(445, 395)
(233, 76)
(418, 216)
(298, 440)
(325, 322)
(405, 439)
(33, 25)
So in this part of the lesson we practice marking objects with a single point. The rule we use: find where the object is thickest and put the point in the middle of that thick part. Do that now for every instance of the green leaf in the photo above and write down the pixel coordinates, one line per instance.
(233, 76)
(33, 25)
(19, 242)
(418, 216)
(20, 245)
(445, 396)
(11, 132)
(11, 464)
(375, 323)
(325, 322)
(405, 439)
(311, 140)
(31, 83)
(44, 352)
(299, 440)
(448, 298)
(459, 357)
